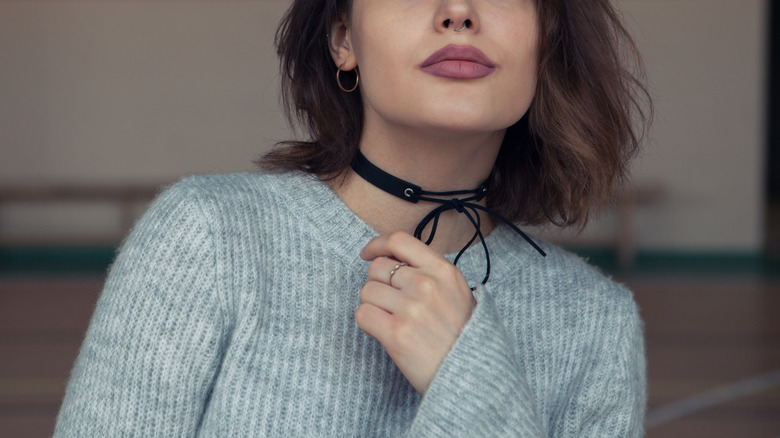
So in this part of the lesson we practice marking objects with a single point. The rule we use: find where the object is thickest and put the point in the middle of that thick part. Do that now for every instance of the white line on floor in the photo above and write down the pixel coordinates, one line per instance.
(688, 406)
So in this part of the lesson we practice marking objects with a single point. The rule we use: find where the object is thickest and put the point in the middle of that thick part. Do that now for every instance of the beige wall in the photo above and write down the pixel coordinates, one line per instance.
(135, 90)
(706, 62)
(132, 91)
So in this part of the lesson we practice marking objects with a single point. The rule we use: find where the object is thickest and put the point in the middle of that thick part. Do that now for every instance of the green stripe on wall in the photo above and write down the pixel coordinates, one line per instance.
(55, 259)
(684, 262)
(96, 260)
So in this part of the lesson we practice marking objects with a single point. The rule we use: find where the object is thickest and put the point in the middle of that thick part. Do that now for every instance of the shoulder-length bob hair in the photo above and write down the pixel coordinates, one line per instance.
(587, 119)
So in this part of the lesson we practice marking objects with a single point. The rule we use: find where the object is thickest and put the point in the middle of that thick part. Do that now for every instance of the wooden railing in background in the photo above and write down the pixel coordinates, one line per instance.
(627, 201)
(127, 198)
(622, 237)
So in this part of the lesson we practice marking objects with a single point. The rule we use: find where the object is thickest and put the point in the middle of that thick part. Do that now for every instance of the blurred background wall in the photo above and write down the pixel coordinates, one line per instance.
(113, 93)
(147, 91)
(706, 64)
(128, 92)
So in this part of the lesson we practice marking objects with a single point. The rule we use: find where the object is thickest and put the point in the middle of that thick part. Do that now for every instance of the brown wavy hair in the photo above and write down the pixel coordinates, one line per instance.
(588, 117)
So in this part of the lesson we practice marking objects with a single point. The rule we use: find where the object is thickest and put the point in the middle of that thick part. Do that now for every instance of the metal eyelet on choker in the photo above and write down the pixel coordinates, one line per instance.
(469, 206)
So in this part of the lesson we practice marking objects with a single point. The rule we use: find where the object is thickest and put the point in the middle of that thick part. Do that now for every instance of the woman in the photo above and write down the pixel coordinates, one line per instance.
(301, 301)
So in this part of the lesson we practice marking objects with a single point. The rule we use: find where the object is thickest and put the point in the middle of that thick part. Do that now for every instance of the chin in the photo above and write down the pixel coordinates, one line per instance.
(480, 124)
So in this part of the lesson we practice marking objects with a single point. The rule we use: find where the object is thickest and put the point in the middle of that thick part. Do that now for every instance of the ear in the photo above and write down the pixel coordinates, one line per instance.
(340, 44)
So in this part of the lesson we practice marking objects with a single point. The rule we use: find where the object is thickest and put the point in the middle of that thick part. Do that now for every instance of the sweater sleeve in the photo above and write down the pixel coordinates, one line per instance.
(609, 397)
(481, 388)
(155, 340)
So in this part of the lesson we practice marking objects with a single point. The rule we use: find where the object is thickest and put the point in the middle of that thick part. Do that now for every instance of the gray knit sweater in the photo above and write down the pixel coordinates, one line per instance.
(229, 312)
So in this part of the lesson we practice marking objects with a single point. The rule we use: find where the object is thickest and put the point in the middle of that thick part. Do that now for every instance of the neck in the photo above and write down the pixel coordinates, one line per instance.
(440, 164)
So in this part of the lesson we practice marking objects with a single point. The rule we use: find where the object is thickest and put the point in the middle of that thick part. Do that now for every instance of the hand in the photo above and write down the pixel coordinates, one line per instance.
(417, 313)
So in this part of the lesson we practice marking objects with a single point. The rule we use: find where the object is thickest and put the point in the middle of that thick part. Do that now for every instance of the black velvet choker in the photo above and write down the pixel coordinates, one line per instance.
(468, 205)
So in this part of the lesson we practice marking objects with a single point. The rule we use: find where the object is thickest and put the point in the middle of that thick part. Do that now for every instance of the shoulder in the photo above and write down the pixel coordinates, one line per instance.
(573, 275)
(219, 203)
(563, 287)
(560, 306)
(265, 185)
(239, 193)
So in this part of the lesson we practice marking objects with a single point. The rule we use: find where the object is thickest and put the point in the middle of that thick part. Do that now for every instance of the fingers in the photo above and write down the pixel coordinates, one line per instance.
(415, 311)
(382, 296)
(374, 321)
(384, 269)
(401, 246)
(389, 252)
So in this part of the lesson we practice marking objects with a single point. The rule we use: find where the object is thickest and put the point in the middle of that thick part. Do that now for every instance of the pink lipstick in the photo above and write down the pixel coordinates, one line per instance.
(458, 62)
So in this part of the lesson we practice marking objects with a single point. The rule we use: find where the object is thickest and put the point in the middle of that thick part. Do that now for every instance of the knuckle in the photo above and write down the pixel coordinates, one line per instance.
(424, 284)
(360, 313)
(369, 290)
(413, 310)
(444, 266)
(373, 269)
(396, 238)
(364, 293)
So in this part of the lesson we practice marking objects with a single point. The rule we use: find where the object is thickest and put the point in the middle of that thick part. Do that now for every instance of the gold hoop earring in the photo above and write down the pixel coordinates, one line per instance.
(338, 80)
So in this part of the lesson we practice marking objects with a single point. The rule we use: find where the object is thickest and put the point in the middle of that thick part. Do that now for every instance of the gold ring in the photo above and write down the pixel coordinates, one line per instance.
(392, 272)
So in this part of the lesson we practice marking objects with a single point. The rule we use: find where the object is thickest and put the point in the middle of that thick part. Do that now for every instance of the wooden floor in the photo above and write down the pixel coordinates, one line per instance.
(707, 334)
(703, 334)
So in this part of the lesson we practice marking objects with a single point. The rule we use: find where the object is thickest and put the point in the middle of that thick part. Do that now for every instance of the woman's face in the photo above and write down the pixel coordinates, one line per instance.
(417, 72)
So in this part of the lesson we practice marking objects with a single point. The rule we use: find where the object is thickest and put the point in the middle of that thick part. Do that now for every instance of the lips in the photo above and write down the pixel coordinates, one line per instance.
(458, 62)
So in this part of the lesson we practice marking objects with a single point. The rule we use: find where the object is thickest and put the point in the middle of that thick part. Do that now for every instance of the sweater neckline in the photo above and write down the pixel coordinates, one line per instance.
(330, 220)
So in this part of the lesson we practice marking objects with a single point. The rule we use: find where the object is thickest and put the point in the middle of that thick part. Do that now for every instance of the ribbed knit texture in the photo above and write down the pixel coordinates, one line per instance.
(229, 312)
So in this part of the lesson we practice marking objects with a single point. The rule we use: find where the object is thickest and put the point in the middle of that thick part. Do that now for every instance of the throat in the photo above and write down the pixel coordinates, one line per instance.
(386, 213)
(465, 203)
(444, 209)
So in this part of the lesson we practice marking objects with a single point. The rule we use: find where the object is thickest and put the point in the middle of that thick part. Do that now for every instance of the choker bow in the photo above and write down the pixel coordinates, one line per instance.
(465, 202)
